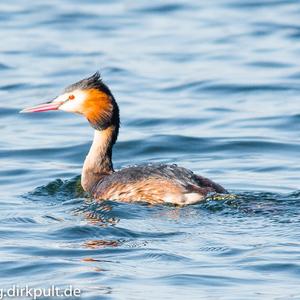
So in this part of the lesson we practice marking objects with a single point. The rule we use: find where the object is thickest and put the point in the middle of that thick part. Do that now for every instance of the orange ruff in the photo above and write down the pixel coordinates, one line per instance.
(97, 106)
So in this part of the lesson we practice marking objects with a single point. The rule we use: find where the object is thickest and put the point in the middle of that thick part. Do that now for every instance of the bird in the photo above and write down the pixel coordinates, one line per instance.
(151, 183)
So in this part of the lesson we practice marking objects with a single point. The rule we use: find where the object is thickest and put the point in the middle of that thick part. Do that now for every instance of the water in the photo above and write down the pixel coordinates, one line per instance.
(212, 86)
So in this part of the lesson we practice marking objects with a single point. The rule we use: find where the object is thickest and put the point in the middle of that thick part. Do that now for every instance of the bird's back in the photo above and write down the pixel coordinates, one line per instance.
(156, 184)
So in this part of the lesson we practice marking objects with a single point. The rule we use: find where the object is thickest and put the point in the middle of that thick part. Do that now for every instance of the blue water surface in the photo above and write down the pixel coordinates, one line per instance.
(209, 85)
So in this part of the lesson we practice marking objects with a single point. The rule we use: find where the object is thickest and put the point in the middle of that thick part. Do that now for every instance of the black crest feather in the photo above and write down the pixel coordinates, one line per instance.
(92, 82)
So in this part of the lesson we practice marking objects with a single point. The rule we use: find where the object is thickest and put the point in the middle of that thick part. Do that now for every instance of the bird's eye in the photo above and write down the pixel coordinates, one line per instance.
(71, 97)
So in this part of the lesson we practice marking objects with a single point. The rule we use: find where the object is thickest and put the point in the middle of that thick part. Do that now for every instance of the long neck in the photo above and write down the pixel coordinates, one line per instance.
(98, 162)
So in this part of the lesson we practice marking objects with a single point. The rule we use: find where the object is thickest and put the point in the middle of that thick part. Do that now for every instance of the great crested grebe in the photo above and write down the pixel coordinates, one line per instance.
(154, 184)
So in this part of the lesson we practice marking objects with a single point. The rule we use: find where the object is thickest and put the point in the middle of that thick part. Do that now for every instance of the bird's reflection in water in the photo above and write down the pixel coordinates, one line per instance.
(97, 213)
(96, 244)
(101, 214)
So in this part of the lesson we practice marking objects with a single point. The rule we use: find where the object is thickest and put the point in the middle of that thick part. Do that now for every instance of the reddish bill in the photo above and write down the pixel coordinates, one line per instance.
(42, 107)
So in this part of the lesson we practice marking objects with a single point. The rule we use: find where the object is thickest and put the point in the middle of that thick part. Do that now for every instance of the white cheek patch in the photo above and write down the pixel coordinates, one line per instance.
(75, 105)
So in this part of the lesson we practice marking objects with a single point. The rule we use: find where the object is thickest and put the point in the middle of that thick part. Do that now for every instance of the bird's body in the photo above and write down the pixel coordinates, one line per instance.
(155, 184)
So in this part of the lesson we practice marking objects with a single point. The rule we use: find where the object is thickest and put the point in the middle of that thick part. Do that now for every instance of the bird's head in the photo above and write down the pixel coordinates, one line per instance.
(89, 97)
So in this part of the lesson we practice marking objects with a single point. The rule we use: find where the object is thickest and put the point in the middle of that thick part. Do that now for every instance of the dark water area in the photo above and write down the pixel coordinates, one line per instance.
(212, 86)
